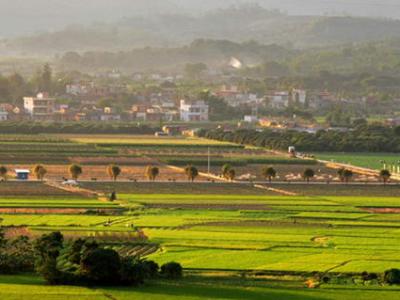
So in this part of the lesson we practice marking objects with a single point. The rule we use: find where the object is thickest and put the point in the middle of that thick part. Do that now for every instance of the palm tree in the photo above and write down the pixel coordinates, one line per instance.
(385, 175)
(113, 171)
(340, 173)
(191, 173)
(347, 175)
(3, 172)
(269, 173)
(152, 173)
(308, 174)
(225, 169)
(39, 171)
(231, 174)
(75, 171)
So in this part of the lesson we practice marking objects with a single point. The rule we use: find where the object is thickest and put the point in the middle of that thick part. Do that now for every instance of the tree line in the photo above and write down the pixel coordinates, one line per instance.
(363, 138)
(113, 171)
(28, 127)
(78, 262)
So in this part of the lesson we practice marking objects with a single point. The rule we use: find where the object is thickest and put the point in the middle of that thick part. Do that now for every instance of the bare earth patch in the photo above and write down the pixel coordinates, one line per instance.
(20, 211)
(382, 210)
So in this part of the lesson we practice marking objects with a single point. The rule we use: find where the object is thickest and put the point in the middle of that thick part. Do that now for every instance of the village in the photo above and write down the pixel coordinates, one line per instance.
(162, 101)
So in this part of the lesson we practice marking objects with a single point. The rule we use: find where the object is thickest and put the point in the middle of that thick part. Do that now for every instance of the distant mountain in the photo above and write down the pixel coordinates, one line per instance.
(24, 17)
(238, 24)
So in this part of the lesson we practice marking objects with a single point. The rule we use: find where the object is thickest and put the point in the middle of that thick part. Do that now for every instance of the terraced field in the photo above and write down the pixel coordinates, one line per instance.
(238, 233)
(235, 241)
(282, 234)
(366, 160)
(192, 288)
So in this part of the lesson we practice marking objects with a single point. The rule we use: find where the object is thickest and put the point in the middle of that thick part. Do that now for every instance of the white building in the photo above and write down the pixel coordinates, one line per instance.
(279, 100)
(299, 96)
(250, 119)
(40, 107)
(195, 111)
(78, 89)
(3, 115)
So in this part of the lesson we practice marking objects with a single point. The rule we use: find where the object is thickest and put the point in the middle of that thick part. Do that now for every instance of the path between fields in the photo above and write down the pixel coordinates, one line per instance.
(73, 189)
(258, 186)
(337, 166)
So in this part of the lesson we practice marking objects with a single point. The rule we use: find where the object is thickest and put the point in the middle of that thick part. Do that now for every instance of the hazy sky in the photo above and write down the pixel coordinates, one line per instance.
(27, 16)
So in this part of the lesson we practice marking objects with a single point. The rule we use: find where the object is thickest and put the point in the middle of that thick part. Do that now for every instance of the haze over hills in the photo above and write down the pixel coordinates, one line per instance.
(21, 17)
(239, 24)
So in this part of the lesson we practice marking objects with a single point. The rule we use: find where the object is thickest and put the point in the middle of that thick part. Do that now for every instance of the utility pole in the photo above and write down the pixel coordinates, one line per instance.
(208, 161)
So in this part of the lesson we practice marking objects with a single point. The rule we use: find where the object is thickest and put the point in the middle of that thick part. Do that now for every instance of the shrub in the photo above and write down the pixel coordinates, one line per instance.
(152, 268)
(392, 276)
(132, 272)
(191, 173)
(113, 171)
(101, 266)
(152, 173)
(75, 171)
(172, 270)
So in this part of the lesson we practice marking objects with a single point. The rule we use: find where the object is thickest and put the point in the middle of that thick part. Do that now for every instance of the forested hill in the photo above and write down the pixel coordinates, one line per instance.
(238, 24)
(378, 58)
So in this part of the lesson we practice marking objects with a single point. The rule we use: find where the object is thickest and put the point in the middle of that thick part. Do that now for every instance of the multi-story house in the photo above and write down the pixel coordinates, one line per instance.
(40, 107)
(193, 111)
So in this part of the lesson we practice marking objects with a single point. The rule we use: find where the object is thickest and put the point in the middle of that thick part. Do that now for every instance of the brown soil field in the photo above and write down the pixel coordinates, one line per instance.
(288, 172)
(57, 211)
(99, 172)
(20, 211)
(176, 188)
(15, 188)
(382, 210)
(340, 189)
(119, 160)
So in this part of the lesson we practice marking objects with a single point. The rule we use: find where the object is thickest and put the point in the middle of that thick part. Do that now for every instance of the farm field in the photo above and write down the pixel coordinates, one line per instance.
(350, 189)
(99, 172)
(234, 240)
(269, 233)
(175, 188)
(144, 140)
(366, 160)
(193, 288)
(31, 188)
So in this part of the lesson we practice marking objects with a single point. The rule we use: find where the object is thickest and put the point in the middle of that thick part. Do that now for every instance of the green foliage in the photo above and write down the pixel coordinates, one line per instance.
(113, 171)
(75, 250)
(101, 266)
(372, 138)
(191, 173)
(28, 127)
(16, 255)
(172, 270)
(75, 171)
(39, 171)
(47, 249)
(392, 276)
(195, 70)
(269, 173)
(3, 172)
(152, 172)
(345, 175)
(385, 175)
(308, 174)
(133, 271)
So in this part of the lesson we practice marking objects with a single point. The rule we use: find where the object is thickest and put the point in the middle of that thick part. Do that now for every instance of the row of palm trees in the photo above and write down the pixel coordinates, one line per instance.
(345, 175)
(38, 170)
(113, 171)
(191, 172)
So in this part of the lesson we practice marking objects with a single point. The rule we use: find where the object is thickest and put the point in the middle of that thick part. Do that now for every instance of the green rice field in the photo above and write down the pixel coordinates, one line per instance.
(366, 160)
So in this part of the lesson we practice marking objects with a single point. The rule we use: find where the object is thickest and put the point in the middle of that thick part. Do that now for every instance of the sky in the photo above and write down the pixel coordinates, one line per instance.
(22, 17)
